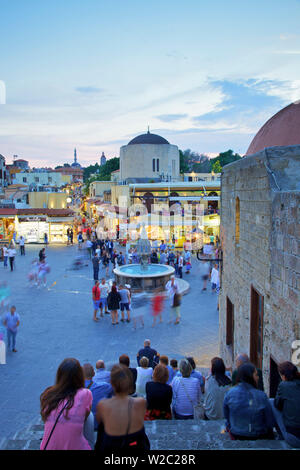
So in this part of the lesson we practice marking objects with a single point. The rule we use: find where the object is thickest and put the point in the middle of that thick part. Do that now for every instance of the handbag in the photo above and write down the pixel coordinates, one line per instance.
(199, 411)
(61, 411)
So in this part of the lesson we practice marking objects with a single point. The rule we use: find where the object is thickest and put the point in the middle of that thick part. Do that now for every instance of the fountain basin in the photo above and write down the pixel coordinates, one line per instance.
(155, 276)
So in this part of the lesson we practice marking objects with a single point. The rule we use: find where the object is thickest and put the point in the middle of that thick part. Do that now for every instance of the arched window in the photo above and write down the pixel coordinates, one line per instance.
(237, 221)
(157, 164)
(153, 164)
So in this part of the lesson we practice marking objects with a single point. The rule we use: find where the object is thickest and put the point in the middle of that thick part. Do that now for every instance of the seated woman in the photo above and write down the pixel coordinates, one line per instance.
(144, 375)
(159, 395)
(247, 410)
(216, 386)
(286, 405)
(65, 407)
(186, 392)
(121, 418)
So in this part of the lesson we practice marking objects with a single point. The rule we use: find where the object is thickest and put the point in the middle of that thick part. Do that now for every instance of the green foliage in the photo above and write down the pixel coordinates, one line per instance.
(184, 168)
(216, 164)
(103, 172)
(99, 172)
(216, 167)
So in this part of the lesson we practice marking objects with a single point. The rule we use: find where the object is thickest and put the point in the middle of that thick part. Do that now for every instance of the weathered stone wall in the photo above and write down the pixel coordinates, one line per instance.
(246, 263)
(284, 322)
(267, 255)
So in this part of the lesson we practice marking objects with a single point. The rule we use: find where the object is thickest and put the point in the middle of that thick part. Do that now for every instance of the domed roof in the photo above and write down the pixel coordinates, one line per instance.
(281, 130)
(148, 139)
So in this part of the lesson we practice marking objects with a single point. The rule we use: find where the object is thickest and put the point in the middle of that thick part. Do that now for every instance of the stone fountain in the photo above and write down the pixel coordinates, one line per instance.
(144, 276)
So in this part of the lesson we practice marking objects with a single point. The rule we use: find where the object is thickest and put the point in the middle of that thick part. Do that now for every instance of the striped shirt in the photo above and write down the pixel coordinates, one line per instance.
(186, 394)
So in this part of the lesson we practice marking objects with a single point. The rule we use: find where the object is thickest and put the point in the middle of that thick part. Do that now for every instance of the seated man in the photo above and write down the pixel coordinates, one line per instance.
(102, 375)
(148, 352)
(164, 360)
(125, 361)
(100, 390)
(243, 359)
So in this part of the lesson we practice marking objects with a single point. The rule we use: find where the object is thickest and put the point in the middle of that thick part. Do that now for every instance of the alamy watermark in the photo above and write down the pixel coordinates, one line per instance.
(2, 92)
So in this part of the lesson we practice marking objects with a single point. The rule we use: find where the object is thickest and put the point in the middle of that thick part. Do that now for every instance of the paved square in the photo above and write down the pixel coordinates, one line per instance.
(56, 322)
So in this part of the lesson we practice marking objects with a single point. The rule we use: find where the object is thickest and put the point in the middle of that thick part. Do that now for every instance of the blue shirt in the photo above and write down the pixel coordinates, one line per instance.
(11, 321)
(100, 391)
(171, 374)
(102, 375)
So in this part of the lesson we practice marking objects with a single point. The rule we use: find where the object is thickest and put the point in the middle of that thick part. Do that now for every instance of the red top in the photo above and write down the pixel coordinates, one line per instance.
(157, 304)
(96, 293)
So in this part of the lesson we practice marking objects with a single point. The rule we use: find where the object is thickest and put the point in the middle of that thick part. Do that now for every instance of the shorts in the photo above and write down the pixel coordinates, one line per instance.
(103, 302)
(96, 304)
(205, 277)
(213, 286)
(124, 306)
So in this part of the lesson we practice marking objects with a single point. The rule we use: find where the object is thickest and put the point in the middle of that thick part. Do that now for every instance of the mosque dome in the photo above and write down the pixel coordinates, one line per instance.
(148, 138)
(282, 129)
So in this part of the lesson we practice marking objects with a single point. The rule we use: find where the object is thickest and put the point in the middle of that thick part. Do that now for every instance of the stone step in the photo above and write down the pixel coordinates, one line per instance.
(163, 435)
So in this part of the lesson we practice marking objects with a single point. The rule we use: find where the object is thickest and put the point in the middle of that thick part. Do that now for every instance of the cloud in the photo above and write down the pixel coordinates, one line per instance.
(171, 117)
(89, 89)
(288, 52)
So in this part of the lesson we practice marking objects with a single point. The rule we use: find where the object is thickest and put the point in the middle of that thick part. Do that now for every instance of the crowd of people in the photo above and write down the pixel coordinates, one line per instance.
(114, 403)
(116, 301)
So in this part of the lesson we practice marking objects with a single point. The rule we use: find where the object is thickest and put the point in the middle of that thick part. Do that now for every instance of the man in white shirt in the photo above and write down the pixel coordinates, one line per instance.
(180, 265)
(11, 253)
(214, 277)
(171, 287)
(104, 290)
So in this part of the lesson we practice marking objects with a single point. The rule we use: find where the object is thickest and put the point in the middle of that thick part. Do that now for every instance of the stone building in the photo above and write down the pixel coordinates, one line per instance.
(260, 233)
(149, 157)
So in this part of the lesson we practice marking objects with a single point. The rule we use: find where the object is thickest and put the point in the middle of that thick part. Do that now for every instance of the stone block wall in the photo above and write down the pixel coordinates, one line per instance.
(284, 323)
(248, 262)
(267, 256)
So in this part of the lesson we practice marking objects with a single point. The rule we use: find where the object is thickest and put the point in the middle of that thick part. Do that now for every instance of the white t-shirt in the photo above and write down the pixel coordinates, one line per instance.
(11, 252)
(104, 289)
(215, 276)
(143, 376)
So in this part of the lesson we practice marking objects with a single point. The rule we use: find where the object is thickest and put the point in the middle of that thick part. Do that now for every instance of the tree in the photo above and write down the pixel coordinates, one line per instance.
(184, 168)
(103, 171)
(100, 173)
(216, 167)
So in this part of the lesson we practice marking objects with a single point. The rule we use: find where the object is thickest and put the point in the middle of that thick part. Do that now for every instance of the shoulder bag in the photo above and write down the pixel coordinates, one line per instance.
(199, 411)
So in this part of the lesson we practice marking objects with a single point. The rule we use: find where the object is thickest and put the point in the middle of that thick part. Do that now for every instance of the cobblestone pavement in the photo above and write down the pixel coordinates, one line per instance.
(56, 322)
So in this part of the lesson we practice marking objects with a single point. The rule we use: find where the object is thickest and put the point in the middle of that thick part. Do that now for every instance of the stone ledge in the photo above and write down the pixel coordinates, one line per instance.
(163, 435)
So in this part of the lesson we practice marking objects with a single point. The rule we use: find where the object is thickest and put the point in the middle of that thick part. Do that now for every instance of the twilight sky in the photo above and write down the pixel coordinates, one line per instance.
(93, 74)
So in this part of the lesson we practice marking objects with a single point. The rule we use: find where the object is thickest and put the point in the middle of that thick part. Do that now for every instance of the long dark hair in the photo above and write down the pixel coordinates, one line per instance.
(218, 371)
(289, 370)
(245, 374)
(69, 379)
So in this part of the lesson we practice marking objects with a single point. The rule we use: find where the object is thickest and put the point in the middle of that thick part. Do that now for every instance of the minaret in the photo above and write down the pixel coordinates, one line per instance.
(102, 159)
(75, 156)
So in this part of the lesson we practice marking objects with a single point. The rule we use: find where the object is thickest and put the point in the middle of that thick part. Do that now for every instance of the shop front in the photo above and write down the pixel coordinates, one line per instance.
(32, 228)
(58, 229)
